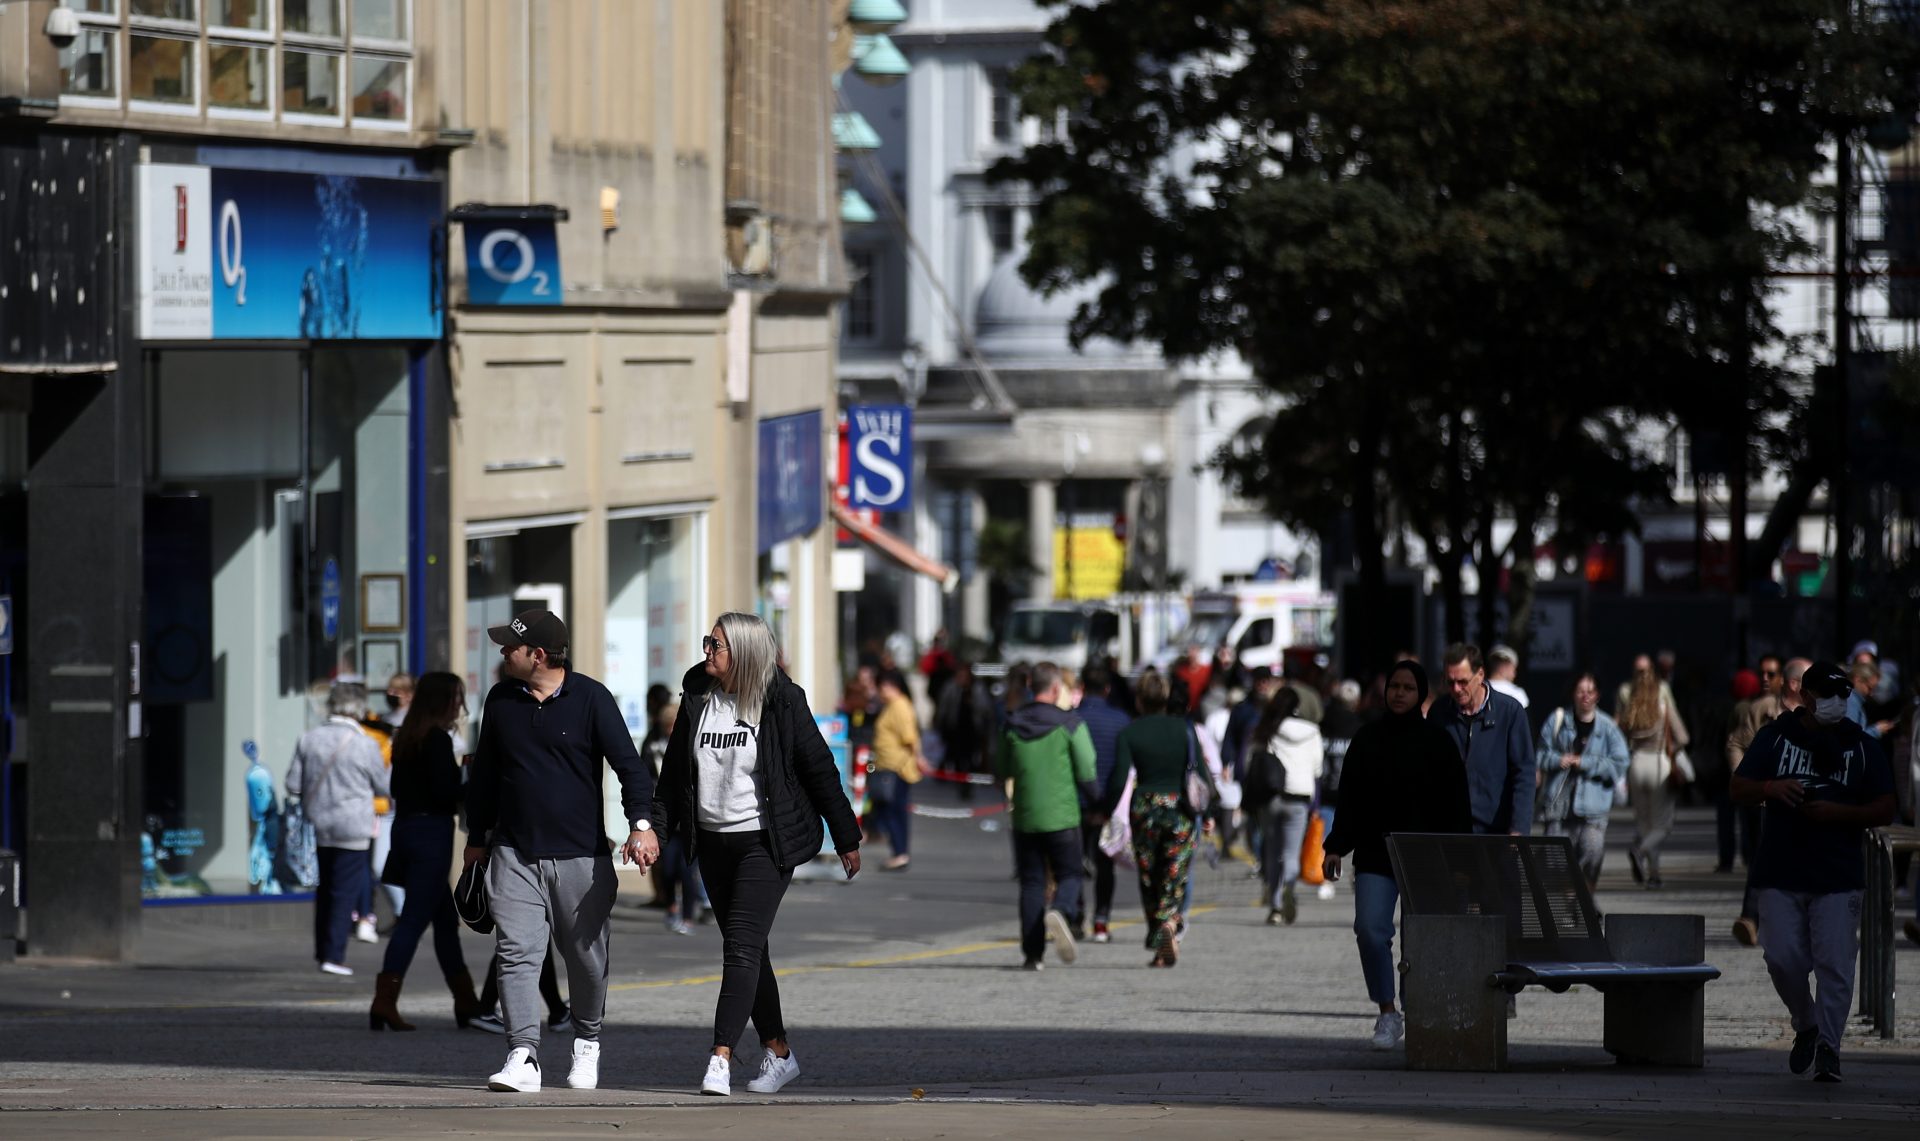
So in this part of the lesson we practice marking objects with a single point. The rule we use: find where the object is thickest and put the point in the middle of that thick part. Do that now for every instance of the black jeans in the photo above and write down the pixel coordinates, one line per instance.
(424, 845)
(1036, 853)
(745, 887)
(1102, 876)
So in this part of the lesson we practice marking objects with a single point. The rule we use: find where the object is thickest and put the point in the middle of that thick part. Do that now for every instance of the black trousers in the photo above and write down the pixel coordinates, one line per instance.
(745, 887)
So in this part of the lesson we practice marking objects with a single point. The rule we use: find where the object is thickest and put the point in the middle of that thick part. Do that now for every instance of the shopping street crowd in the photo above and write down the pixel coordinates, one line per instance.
(1108, 779)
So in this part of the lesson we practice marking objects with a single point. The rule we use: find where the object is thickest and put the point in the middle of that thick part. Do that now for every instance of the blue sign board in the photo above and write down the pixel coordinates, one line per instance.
(792, 493)
(330, 600)
(513, 262)
(232, 253)
(6, 624)
(880, 456)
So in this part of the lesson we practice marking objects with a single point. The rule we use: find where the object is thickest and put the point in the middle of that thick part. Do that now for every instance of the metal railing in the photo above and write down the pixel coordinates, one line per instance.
(1880, 925)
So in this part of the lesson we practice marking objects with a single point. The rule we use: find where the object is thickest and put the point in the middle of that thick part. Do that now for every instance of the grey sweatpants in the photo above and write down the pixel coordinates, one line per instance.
(567, 900)
(1806, 933)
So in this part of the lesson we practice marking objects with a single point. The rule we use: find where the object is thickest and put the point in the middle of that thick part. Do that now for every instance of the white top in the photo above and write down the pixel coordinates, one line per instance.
(724, 758)
(1510, 689)
(1302, 753)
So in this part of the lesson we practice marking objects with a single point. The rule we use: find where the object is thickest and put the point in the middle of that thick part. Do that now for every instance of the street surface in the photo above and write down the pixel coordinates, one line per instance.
(911, 1019)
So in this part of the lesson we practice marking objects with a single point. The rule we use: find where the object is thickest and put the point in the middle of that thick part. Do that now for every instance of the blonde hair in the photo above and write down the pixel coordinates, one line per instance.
(1642, 710)
(756, 657)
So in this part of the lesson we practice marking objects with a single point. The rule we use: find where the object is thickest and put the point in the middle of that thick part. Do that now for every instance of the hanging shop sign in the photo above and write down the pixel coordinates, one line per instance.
(880, 456)
(792, 489)
(236, 254)
(514, 262)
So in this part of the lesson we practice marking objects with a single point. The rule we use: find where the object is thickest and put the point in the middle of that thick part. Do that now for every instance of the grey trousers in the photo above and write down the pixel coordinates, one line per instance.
(1818, 934)
(1589, 836)
(567, 901)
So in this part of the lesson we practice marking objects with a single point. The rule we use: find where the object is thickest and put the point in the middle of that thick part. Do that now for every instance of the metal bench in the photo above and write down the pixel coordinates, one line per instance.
(1483, 917)
(1880, 925)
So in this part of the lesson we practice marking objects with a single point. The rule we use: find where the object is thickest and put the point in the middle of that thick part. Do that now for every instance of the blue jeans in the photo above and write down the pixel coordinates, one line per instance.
(424, 847)
(677, 871)
(892, 807)
(344, 873)
(1286, 829)
(1374, 898)
(1036, 853)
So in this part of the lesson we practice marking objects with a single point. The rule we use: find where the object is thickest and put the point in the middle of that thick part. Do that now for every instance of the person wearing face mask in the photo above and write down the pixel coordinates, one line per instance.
(1823, 782)
(1402, 773)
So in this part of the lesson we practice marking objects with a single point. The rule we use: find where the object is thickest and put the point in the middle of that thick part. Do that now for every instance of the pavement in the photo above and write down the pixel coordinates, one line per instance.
(911, 1018)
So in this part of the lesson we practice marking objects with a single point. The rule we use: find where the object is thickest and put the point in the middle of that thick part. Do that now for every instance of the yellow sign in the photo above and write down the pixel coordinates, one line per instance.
(1093, 572)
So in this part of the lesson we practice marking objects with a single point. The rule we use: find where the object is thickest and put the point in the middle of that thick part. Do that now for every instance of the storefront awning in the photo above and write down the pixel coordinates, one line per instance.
(896, 548)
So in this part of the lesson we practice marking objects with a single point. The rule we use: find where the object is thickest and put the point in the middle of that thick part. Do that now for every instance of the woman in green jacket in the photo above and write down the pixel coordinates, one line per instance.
(1155, 749)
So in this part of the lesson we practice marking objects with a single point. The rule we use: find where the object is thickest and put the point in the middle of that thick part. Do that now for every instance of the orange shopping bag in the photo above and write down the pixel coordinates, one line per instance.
(1311, 853)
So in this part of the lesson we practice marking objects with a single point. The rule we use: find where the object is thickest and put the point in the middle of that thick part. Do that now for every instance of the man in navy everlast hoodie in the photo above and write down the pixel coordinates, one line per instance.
(1490, 729)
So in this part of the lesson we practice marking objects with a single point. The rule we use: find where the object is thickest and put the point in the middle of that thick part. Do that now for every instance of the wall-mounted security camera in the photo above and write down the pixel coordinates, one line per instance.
(63, 27)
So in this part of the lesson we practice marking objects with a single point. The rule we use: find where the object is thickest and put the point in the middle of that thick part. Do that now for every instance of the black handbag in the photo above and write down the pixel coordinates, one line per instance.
(470, 900)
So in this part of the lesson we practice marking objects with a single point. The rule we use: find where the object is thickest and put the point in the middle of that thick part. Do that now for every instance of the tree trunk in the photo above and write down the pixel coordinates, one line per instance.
(1785, 513)
(1488, 598)
(1370, 631)
(1520, 585)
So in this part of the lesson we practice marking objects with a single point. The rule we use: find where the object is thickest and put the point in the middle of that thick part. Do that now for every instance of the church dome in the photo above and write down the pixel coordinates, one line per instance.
(1013, 321)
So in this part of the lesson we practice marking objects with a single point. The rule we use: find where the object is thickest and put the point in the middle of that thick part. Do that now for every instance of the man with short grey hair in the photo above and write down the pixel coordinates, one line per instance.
(337, 771)
(1503, 672)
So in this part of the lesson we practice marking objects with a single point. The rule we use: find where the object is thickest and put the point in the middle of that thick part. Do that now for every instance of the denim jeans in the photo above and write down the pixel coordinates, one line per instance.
(1037, 853)
(680, 873)
(1103, 877)
(892, 807)
(424, 846)
(1286, 828)
(1374, 898)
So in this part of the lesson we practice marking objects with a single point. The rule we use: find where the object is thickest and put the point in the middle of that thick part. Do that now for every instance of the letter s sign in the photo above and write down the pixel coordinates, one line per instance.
(880, 449)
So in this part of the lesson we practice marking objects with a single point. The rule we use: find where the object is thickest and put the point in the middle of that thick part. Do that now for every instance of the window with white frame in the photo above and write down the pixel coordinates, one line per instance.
(862, 301)
(312, 61)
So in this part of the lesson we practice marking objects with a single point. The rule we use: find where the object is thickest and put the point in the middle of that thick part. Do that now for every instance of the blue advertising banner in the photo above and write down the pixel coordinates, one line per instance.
(231, 253)
(880, 456)
(791, 489)
(513, 262)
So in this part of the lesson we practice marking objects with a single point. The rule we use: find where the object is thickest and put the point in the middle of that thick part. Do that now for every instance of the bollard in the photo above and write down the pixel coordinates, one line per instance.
(9, 903)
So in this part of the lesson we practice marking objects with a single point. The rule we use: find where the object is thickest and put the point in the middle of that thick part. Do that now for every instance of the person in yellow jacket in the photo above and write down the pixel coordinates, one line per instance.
(897, 765)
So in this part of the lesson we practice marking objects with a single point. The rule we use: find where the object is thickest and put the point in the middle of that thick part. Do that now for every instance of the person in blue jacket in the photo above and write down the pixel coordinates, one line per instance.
(1582, 756)
(1490, 730)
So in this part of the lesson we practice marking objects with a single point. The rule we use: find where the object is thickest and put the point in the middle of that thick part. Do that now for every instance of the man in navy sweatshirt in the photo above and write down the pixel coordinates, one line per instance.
(534, 812)
(1491, 732)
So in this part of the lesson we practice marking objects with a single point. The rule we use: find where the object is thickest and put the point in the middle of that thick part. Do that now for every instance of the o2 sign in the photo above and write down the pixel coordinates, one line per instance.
(513, 263)
(880, 457)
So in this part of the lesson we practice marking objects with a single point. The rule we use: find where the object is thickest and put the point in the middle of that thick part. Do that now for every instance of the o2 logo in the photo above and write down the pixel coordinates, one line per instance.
(233, 270)
(522, 267)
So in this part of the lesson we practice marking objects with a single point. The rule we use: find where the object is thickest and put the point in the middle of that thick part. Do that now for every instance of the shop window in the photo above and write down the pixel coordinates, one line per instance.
(312, 17)
(379, 20)
(860, 297)
(160, 69)
(253, 15)
(92, 73)
(380, 89)
(312, 85)
(1003, 110)
(184, 11)
(239, 77)
(1000, 230)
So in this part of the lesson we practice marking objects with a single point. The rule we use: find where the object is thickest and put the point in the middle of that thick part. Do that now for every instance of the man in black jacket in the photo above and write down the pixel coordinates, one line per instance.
(534, 811)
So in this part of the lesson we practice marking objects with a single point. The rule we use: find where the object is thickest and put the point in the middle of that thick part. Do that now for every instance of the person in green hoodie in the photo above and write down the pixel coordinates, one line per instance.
(1048, 755)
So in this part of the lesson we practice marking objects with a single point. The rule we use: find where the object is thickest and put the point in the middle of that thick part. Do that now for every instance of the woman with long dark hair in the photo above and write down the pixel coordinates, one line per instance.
(426, 795)
(1155, 750)
(746, 781)
(1402, 774)
(1291, 755)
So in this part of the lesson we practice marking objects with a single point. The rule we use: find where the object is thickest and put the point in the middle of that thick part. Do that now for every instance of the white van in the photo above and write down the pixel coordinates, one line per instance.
(1260, 620)
(1068, 634)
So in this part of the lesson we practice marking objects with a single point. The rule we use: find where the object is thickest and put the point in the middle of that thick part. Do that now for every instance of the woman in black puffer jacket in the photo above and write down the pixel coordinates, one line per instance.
(746, 781)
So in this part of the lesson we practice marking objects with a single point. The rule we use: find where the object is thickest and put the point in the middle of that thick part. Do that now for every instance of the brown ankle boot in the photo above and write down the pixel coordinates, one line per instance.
(465, 1006)
(385, 1011)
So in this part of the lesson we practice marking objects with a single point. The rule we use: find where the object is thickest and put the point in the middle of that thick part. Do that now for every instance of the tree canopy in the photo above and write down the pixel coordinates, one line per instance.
(1473, 245)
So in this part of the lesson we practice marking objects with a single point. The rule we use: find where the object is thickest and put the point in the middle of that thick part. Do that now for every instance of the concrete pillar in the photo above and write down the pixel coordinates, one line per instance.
(1040, 523)
(1658, 1024)
(1455, 1020)
(975, 593)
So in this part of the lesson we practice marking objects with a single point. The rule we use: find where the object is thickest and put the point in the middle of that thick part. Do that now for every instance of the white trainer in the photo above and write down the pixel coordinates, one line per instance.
(1326, 890)
(1389, 1030)
(365, 932)
(585, 1073)
(1057, 927)
(719, 1079)
(775, 1072)
(340, 969)
(521, 1074)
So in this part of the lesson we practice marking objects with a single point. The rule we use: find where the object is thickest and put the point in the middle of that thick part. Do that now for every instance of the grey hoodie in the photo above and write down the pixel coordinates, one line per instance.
(337, 770)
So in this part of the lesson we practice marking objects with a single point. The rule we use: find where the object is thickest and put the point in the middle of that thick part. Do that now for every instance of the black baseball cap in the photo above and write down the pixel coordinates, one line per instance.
(538, 628)
(1824, 679)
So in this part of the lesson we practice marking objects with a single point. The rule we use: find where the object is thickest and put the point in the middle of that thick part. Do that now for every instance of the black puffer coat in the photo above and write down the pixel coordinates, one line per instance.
(795, 775)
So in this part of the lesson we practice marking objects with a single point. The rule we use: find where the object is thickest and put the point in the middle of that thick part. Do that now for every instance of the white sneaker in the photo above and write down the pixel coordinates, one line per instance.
(719, 1079)
(521, 1074)
(585, 1073)
(364, 931)
(1326, 890)
(335, 969)
(775, 1072)
(1062, 934)
(1389, 1030)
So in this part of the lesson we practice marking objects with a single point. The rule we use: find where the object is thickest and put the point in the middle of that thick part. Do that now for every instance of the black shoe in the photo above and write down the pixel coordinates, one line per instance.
(1826, 1063)
(1804, 1043)
(1033, 965)
(1637, 862)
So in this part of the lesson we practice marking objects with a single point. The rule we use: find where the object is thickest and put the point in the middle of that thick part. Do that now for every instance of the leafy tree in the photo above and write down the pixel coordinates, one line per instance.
(1473, 245)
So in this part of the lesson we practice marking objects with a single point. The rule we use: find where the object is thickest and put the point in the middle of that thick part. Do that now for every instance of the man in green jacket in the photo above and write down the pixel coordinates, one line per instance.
(1048, 754)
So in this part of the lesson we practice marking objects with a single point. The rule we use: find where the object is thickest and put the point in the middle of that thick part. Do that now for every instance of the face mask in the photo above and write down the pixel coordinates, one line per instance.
(1830, 710)
(392, 702)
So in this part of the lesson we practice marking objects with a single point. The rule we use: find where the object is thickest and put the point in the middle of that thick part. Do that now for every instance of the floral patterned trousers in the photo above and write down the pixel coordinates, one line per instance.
(1162, 848)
